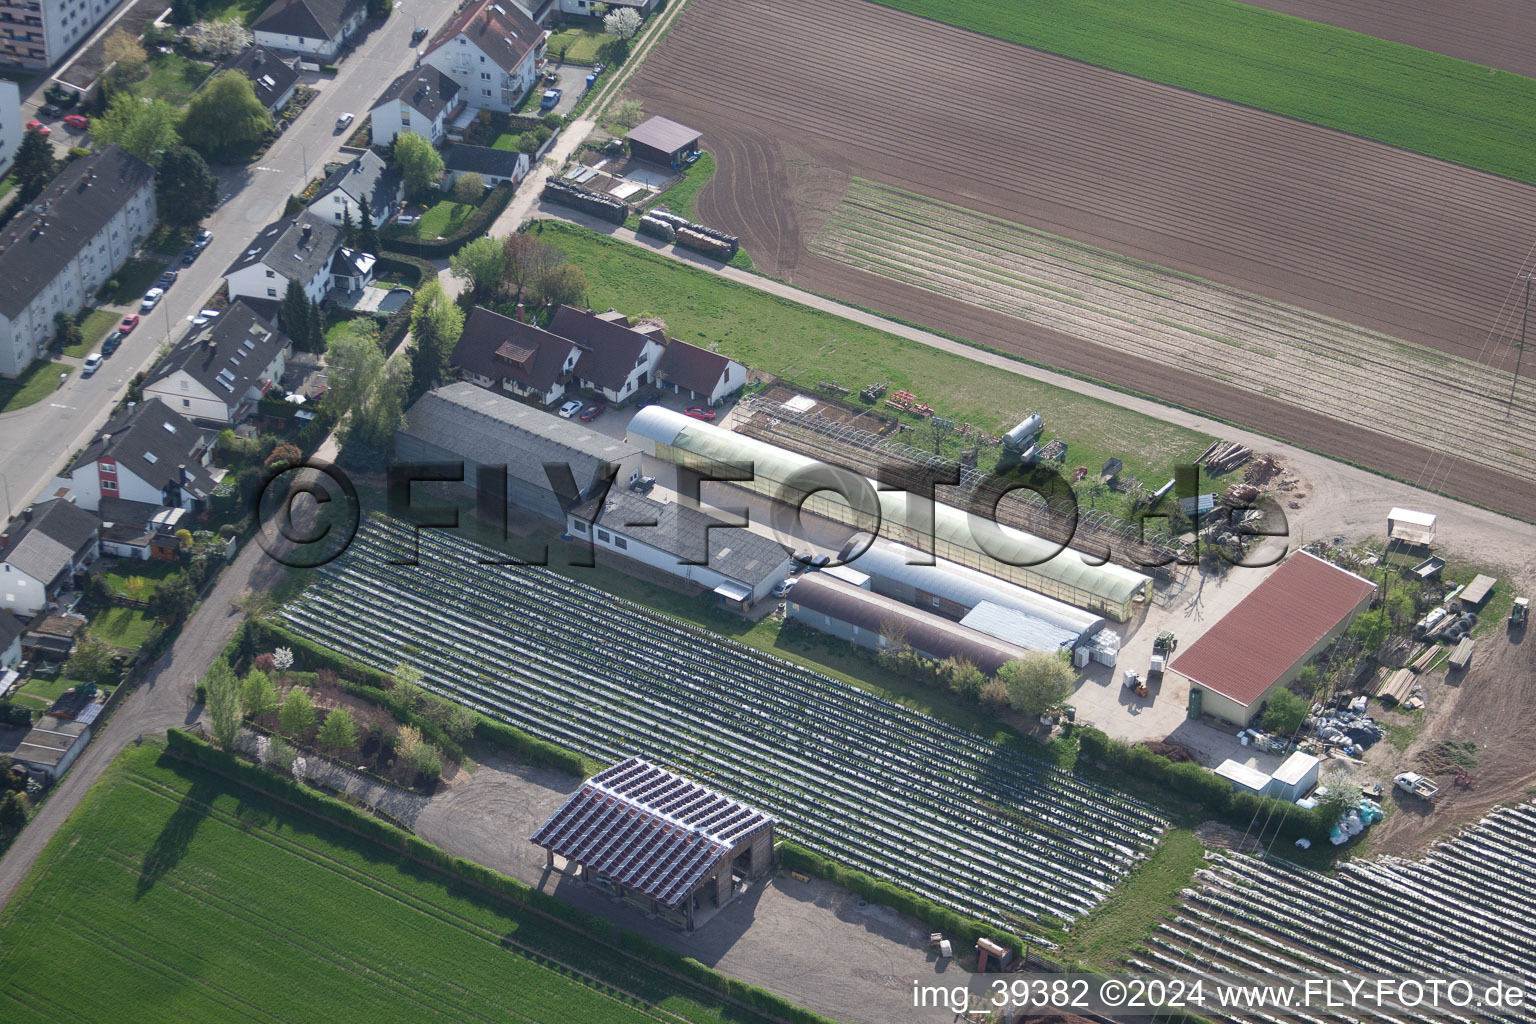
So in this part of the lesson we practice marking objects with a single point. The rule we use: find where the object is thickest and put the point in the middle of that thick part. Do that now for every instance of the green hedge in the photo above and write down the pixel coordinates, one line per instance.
(400, 263)
(473, 227)
(1205, 788)
(188, 747)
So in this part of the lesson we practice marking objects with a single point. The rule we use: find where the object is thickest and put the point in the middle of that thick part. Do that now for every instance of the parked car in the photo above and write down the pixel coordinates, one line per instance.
(418, 35)
(128, 323)
(92, 364)
(203, 317)
(811, 560)
(190, 256)
(784, 587)
(203, 237)
(39, 127)
(109, 345)
(699, 412)
(405, 220)
(592, 412)
(79, 121)
(343, 122)
(49, 110)
(549, 99)
(570, 409)
(642, 484)
(151, 299)
(167, 279)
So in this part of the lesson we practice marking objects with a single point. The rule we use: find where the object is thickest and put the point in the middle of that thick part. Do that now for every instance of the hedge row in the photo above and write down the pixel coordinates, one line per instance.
(192, 749)
(1205, 787)
(963, 930)
(400, 263)
(476, 225)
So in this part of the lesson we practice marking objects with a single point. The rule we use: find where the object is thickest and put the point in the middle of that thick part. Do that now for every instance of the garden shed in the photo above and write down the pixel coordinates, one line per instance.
(659, 140)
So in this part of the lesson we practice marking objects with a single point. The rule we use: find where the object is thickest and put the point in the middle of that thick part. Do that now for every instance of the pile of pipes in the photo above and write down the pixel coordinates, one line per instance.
(1224, 456)
(699, 237)
(587, 201)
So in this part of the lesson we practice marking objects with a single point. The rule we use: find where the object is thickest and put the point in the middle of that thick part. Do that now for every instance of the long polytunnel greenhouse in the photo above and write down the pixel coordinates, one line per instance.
(978, 827)
(793, 479)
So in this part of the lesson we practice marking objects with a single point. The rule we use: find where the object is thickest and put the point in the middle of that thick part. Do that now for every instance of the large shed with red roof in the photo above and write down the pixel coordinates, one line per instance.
(667, 844)
(1269, 637)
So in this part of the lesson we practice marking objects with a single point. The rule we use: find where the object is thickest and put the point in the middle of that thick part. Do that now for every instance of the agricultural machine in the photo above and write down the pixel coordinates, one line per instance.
(1519, 612)
(1162, 650)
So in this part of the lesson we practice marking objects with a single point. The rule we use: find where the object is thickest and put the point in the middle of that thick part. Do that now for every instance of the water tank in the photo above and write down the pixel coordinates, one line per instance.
(1020, 436)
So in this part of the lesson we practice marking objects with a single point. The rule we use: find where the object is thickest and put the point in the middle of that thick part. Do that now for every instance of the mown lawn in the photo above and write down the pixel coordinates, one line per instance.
(36, 383)
(123, 627)
(244, 11)
(439, 220)
(679, 198)
(93, 327)
(580, 45)
(134, 279)
(172, 78)
(48, 688)
(1148, 895)
(151, 572)
(805, 346)
(1440, 106)
(196, 899)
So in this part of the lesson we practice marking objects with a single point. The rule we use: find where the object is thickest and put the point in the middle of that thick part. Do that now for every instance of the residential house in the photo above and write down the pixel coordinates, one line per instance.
(44, 547)
(11, 629)
(697, 374)
(136, 529)
(491, 49)
(589, 8)
(12, 124)
(493, 165)
(617, 359)
(55, 254)
(302, 248)
(218, 372)
(146, 453)
(315, 28)
(367, 175)
(422, 101)
(504, 354)
(37, 34)
(273, 76)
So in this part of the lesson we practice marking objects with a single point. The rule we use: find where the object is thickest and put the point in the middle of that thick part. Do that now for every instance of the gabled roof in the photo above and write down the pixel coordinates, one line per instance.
(649, 829)
(154, 443)
(43, 546)
(39, 243)
(271, 75)
(352, 262)
(689, 534)
(691, 367)
(297, 247)
(309, 19)
(1273, 628)
(425, 90)
(613, 348)
(663, 134)
(497, 347)
(501, 30)
(367, 175)
(230, 355)
(502, 163)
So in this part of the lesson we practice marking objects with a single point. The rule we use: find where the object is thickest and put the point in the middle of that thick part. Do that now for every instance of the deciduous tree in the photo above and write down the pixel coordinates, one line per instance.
(480, 263)
(436, 324)
(226, 115)
(527, 258)
(1284, 712)
(297, 716)
(91, 660)
(563, 285)
(145, 128)
(468, 188)
(126, 54)
(418, 161)
(1037, 682)
(622, 23)
(257, 694)
(339, 732)
(66, 331)
(185, 189)
(220, 39)
(224, 693)
(405, 685)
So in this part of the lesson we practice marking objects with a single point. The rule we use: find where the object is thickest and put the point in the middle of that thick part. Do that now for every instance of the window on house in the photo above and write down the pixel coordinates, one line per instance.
(109, 485)
(186, 403)
(485, 76)
(581, 527)
(620, 543)
(271, 293)
(486, 91)
(604, 536)
(271, 274)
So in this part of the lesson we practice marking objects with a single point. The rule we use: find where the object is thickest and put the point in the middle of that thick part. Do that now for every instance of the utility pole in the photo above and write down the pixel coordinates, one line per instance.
(1525, 314)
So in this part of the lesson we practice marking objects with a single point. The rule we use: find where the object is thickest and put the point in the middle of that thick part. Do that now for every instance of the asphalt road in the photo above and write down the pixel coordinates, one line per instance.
(35, 441)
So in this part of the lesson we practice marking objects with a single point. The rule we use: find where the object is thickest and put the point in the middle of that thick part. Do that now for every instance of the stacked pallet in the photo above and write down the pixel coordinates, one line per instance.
(587, 201)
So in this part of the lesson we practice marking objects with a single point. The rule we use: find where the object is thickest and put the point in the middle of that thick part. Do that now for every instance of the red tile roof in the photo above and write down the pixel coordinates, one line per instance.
(1273, 628)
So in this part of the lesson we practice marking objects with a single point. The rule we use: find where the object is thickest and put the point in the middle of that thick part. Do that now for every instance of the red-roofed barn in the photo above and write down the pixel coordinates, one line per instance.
(1264, 642)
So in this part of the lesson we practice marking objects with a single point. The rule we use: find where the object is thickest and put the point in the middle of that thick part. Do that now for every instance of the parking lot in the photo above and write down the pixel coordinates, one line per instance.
(571, 80)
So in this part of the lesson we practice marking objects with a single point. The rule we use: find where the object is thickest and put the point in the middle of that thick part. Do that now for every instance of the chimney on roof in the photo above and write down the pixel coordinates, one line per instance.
(185, 477)
(5, 541)
(307, 229)
(26, 514)
(522, 313)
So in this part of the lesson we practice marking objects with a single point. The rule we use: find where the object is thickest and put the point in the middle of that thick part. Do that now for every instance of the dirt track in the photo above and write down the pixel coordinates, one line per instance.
(1372, 235)
(1491, 32)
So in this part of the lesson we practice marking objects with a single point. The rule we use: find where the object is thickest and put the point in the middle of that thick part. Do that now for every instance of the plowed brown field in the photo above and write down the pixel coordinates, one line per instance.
(794, 97)
(1492, 32)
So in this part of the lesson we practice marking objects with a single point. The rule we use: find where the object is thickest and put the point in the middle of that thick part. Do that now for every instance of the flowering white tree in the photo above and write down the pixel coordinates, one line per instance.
(220, 38)
(622, 22)
(282, 659)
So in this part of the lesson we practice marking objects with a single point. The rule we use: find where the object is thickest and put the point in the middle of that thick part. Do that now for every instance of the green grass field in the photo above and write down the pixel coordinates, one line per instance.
(93, 327)
(172, 78)
(577, 45)
(679, 198)
(440, 220)
(151, 572)
(123, 627)
(36, 383)
(805, 346)
(193, 899)
(244, 11)
(133, 279)
(1440, 106)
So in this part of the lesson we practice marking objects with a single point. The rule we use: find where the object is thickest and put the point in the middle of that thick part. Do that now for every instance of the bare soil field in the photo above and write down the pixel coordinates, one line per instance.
(1403, 245)
(1491, 32)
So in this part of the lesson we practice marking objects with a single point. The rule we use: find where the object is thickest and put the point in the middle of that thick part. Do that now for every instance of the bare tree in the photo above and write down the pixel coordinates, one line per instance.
(528, 260)
(939, 429)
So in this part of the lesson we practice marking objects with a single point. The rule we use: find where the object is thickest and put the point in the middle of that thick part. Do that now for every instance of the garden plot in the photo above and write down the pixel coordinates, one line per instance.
(1308, 360)
(1465, 909)
(977, 827)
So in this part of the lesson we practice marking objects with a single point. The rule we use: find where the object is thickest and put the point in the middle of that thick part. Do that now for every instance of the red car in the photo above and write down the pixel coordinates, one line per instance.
(39, 127)
(129, 323)
(77, 121)
(698, 412)
(591, 412)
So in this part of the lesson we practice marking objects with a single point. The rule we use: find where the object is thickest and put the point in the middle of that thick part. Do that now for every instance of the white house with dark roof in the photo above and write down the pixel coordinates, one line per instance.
(422, 102)
(491, 49)
(316, 28)
(273, 76)
(617, 359)
(367, 175)
(493, 165)
(146, 453)
(54, 255)
(697, 374)
(589, 8)
(42, 550)
(514, 356)
(302, 248)
(219, 372)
